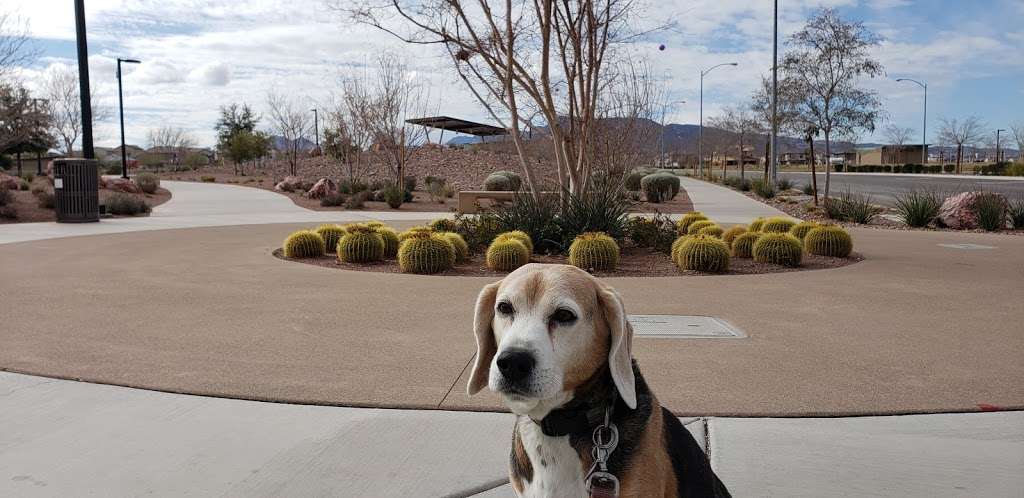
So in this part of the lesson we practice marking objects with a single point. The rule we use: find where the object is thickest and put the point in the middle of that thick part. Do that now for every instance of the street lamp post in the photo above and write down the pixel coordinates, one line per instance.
(997, 145)
(83, 80)
(700, 139)
(924, 121)
(316, 129)
(661, 159)
(773, 166)
(120, 105)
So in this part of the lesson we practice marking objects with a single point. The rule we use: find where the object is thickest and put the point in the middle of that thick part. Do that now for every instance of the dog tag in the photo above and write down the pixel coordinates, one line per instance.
(603, 485)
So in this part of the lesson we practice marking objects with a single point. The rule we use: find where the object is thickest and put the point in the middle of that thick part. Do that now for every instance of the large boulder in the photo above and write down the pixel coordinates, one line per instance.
(125, 185)
(289, 184)
(9, 182)
(322, 188)
(958, 212)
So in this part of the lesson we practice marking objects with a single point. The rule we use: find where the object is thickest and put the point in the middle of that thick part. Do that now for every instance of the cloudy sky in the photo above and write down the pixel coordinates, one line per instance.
(199, 54)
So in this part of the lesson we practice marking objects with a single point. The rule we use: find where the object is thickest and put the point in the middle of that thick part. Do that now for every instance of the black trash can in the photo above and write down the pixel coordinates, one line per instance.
(76, 190)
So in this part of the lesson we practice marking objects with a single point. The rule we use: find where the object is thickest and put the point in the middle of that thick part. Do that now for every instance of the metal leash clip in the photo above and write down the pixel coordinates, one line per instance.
(600, 482)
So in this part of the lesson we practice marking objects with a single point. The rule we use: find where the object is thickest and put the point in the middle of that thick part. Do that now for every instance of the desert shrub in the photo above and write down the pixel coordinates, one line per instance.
(390, 238)
(763, 189)
(46, 199)
(499, 183)
(594, 251)
(601, 209)
(683, 226)
(808, 189)
(507, 254)
(439, 190)
(357, 200)
(784, 184)
(698, 225)
(800, 229)
(537, 217)
(426, 253)
(918, 207)
(409, 183)
(632, 180)
(112, 168)
(660, 187)
(332, 199)
(394, 196)
(519, 235)
(948, 168)
(656, 232)
(743, 244)
(755, 226)
(360, 244)
(515, 181)
(148, 182)
(850, 206)
(990, 209)
(377, 184)
(331, 233)
(1016, 212)
(208, 179)
(126, 205)
(734, 231)
(778, 224)
(702, 253)
(6, 196)
(432, 180)
(778, 248)
(829, 240)
(304, 244)
(8, 213)
(478, 230)
(1016, 169)
(459, 244)
(24, 185)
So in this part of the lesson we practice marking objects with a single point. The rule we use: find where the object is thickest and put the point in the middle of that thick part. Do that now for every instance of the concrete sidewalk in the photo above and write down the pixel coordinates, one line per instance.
(205, 205)
(64, 438)
(725, 205)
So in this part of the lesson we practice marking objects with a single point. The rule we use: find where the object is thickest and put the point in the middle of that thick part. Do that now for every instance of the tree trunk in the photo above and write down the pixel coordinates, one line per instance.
(814, 172)
(828, 164)
(767, 155)
(17, 156)
(959, 159)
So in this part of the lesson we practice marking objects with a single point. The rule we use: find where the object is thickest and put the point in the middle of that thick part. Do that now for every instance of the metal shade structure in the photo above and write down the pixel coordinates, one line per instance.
(446, 123)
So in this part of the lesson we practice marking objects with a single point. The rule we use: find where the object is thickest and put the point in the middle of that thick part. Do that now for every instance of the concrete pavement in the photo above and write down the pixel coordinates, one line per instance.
(885, 187)
(64, 438)
(723, 204)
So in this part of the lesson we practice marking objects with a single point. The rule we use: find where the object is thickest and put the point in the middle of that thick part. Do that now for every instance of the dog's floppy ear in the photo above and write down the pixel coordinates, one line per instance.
(485, 346)
(620, 352)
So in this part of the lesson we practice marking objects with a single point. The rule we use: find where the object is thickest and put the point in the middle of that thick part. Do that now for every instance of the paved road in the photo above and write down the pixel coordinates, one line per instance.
(885, 188)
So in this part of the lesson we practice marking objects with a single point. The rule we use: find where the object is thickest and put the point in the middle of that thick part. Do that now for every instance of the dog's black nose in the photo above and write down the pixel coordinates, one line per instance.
(516, 365)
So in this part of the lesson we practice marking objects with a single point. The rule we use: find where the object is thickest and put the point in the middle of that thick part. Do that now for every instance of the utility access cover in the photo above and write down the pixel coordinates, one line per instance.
(683, 327)
(967, 247)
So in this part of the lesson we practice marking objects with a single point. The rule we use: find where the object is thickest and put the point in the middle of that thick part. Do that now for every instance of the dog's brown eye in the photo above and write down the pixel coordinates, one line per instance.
(563, 316)
(505, 308)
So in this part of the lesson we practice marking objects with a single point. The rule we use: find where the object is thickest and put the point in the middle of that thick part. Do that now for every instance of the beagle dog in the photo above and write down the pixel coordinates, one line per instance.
(554, 343)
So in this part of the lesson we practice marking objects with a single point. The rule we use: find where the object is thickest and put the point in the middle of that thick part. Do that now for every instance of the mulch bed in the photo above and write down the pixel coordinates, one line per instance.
(27, 204)
(634, 262)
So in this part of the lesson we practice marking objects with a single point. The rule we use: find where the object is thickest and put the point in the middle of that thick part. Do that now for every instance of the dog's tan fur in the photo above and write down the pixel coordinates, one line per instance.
(650, 471)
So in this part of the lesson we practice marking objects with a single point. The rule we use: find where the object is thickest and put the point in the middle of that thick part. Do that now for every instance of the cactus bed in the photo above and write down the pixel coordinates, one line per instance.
(633, 262)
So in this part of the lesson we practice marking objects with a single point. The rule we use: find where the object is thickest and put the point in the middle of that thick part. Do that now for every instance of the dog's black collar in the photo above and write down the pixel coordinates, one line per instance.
(577, 418)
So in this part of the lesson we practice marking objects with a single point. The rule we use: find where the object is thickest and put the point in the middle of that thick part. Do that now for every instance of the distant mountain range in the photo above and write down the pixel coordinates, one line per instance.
(280, 143)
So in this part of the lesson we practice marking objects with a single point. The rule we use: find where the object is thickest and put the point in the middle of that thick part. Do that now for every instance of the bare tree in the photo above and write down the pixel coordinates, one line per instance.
(61, 90)
(961, 133)
(829, 57)
(547, 53)
(382, 103)
(739, 121)
(170, 139)
(16, 47)
(346, 138)
(897, 135)
(291, 121)
(625, 133)
(1018, 135)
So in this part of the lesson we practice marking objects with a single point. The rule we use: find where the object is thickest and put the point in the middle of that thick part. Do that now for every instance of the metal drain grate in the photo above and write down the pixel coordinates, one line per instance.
(967, 247)
(683, 327)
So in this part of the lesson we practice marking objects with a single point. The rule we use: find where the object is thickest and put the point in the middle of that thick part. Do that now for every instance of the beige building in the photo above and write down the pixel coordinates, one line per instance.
(892, 154)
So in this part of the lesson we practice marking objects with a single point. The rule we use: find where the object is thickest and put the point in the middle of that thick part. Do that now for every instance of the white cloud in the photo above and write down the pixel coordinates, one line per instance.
(215, 74)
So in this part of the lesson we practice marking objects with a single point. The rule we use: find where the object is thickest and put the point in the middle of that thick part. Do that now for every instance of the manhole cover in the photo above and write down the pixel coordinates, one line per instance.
(966, 247)
(683, 327)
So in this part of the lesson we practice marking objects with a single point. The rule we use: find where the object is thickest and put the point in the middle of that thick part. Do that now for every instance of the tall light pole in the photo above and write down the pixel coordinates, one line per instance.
(661, 159)
(700, 139)
(120, 105)
(83, 80)
(316, 129)
(924, 122)
(773, 166)
(997, 145)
